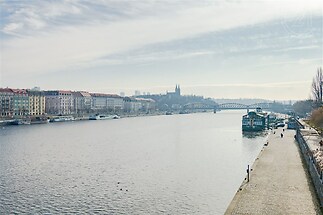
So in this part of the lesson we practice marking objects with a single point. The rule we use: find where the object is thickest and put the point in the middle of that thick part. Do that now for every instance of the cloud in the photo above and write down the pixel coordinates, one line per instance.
(11, 28)
(68, 34)
(301, 61)
(300, 48)
(252, 85)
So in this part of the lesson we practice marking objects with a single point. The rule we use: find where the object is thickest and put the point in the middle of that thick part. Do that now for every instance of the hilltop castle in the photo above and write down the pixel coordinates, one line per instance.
(177, 92)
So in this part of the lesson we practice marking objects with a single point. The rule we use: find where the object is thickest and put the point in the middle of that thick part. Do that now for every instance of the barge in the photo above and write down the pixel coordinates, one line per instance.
(254, 121)
(102, 117)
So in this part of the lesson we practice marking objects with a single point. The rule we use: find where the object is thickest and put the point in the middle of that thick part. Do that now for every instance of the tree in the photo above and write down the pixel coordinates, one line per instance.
(317, 117)
(303, 108)
(317, 87)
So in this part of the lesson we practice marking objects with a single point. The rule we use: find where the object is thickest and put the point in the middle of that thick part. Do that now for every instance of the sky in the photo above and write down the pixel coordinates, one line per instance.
(218, 49)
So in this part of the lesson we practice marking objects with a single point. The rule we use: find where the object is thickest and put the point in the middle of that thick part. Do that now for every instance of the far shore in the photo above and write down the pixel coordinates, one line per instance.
(79, 117)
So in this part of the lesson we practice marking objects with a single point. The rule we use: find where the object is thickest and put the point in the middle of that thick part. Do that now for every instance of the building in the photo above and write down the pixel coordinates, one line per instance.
(131, 105)
(135, 105)
(82, 102)
(99, 101)
(107, 102)
(35, 89)
(36, 102)
(114, 103)
(6, 102)
(20, 102)
(175, 94)
(59, 102)
(146, 105)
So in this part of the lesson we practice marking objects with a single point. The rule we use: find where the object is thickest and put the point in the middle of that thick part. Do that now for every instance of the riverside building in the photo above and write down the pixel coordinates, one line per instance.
(81, 102)
(133, 105)
(146, 105)
(107, 102)
(20, 103)
(6, 102)
(36, 102)
(58, 102)
(114, 103)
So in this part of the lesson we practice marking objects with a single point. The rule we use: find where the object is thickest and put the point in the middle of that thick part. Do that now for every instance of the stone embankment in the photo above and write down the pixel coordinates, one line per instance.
(279, 182)
(310, 144)
(314, 142)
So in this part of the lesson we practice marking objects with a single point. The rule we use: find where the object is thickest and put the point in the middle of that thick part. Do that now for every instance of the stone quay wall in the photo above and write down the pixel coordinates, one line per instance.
(312, 165)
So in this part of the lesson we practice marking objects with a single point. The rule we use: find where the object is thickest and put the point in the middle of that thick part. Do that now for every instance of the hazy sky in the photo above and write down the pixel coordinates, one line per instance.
(219, 49)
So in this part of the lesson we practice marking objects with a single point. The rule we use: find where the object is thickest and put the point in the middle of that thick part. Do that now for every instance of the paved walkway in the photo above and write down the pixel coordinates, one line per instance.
(279, 183)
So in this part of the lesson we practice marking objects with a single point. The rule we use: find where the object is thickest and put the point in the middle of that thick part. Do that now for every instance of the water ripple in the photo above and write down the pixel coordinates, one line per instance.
(150, 165)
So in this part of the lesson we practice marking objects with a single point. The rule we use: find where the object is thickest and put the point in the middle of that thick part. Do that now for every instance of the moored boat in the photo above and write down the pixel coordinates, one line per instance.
(21, 122)
(62, 119)
(115, 117)
(102, 117)
(39, 120)
(253, 121)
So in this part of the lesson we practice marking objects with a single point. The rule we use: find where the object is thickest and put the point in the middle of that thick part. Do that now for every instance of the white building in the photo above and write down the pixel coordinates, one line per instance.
(107, 102)
(114, 102)
(131, 105)
(146, 105)
(134, 105)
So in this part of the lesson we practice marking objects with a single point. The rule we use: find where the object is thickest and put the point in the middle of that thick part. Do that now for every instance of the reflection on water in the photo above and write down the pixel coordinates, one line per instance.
(178, 164)
(251, 135)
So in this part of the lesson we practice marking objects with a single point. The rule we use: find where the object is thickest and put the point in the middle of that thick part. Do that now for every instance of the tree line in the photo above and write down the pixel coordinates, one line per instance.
(312, 107)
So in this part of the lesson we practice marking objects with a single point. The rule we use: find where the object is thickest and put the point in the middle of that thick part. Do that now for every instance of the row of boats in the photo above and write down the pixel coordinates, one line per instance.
(44, 120)
(257, 120)
(28, 121)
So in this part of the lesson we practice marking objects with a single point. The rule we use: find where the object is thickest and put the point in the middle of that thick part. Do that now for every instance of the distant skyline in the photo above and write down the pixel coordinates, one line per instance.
(218, 49)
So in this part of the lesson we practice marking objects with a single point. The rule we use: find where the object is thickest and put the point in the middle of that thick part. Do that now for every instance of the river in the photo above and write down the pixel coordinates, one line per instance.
(176, 164)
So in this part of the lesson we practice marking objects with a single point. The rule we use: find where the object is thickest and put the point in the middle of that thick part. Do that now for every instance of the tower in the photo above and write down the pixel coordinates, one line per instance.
(177, 90)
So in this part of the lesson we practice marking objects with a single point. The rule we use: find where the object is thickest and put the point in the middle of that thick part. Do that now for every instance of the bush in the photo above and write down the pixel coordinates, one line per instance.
(317, 117)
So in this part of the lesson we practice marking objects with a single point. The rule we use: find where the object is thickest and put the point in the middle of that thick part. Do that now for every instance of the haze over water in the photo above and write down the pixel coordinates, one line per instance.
(178, 164)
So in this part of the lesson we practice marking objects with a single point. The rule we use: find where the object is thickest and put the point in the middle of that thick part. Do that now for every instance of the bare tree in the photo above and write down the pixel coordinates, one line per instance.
(317, 87)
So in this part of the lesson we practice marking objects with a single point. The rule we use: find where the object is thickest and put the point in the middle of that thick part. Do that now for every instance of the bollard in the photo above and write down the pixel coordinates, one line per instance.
(248, 172)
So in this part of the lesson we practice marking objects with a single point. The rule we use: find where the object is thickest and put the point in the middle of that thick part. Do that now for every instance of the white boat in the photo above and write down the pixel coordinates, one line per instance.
(21, 122)
(63, 119)
(115, 117)
(101, 117)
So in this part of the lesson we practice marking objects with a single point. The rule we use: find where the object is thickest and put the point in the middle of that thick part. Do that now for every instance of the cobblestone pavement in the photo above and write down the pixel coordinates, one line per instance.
(279, 183)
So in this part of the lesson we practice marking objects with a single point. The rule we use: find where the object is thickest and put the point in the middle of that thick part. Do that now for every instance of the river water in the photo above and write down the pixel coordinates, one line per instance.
(177, 164)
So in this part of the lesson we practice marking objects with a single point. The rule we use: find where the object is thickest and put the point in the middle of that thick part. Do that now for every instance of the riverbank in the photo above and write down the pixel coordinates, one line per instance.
(279, 182)
(68, 118)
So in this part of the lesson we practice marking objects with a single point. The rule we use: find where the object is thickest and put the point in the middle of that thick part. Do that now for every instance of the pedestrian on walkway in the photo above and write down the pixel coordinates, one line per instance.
(281, 135)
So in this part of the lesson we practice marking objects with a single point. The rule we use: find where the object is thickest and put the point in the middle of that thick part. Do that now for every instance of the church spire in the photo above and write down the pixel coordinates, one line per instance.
(177, 90)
